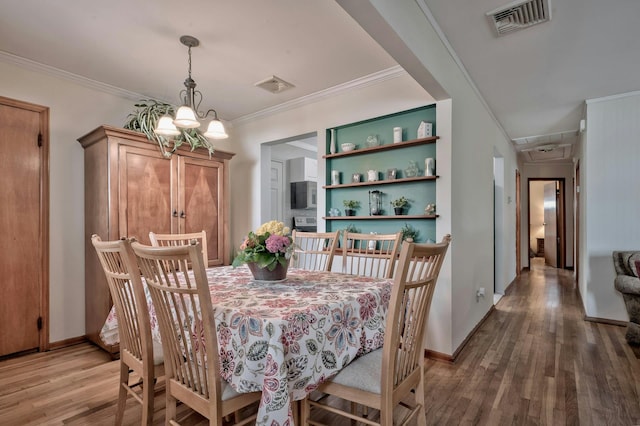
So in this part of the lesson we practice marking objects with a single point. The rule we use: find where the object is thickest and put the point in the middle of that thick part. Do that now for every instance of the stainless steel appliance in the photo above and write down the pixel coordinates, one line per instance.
(305, 224)
(304, 195)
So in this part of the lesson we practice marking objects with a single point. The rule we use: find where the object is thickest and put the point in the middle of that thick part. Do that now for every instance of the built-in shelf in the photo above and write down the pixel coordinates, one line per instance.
(368, 160)
(382, 182)
(399, 145)
(404, 216)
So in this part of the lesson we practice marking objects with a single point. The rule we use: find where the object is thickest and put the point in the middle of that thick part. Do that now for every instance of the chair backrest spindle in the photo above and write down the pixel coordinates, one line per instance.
(370, 255)
(314, 251)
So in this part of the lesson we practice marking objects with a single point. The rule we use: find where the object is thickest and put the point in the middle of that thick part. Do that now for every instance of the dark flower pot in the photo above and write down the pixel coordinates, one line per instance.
(279, 273)
(398, 210)
(349, 212)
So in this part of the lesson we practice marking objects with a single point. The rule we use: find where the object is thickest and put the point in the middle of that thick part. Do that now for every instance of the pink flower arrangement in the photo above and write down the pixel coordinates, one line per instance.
(269, 245)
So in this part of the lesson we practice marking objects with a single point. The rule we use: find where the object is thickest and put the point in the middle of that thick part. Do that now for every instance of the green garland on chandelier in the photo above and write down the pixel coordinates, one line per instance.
(145, 118)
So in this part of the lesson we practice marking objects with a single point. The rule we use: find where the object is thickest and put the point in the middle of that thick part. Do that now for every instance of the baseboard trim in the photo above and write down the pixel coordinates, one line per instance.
(439, 356)
(507, 290)
(67, 342)
(606, 321)
(470, 335)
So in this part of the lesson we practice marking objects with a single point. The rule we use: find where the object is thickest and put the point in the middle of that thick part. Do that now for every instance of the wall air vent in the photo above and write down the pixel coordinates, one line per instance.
(519, 15)
(274, 84)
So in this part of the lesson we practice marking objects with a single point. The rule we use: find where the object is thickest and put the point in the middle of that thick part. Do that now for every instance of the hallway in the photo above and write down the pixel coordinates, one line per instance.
(536, 361)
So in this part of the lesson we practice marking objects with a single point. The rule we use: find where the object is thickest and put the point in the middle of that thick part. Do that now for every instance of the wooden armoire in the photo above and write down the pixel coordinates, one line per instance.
(131, 188)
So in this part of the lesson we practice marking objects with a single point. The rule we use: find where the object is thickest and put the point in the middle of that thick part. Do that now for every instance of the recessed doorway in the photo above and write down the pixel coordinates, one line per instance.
(546, 221)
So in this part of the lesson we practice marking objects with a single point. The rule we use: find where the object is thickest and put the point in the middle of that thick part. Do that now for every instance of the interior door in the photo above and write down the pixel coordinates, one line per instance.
(551, 225)
(146, 194)
(23, 201)
(200, 190)
(277, 190)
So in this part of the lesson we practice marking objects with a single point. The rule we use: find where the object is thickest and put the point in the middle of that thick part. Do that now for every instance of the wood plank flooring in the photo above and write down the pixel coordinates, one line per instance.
(534, 361)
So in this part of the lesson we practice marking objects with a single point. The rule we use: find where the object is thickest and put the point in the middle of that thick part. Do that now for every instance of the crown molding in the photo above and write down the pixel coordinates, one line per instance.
(65, 75)
(368, 80)
(612, 97)
(432, 20)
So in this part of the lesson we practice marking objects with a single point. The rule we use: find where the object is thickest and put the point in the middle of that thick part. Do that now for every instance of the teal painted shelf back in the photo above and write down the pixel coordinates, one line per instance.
(420, 193)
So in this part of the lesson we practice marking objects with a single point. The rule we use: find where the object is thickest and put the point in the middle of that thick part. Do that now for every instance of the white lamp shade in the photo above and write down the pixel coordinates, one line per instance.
(216, 130)
(186, 118)
(165, 127)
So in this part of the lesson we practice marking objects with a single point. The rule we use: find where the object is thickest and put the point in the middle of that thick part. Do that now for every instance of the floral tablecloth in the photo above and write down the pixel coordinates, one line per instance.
(285, 338)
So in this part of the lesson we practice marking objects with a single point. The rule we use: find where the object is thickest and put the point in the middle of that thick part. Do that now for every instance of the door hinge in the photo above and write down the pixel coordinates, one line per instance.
(39, 140)
(39, 323)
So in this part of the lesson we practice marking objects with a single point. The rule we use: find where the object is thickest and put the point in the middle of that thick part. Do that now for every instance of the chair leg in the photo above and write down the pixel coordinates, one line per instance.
(170, 410)
(354, 407)
(295, 411)
(148, 392)
(305, 409)
(386, 413)
(122, 392)
(422, 413)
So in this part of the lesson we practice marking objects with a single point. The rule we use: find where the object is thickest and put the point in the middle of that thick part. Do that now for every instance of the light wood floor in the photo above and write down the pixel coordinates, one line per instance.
(534, 361)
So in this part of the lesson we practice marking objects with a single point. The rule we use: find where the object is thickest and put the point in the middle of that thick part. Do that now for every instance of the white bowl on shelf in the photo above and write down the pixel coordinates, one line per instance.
(346, 147)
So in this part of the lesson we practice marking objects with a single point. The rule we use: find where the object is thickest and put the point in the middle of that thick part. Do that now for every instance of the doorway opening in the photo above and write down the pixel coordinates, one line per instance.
(282, 162)
(546, 221)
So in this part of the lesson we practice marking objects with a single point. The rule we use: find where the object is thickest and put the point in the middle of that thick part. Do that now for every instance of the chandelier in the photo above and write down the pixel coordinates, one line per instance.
(187, 115)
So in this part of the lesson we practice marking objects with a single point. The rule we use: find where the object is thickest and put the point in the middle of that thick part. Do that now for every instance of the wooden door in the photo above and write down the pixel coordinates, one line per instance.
(551, 225)
(24, 222)
(200, 202)
(146, 193)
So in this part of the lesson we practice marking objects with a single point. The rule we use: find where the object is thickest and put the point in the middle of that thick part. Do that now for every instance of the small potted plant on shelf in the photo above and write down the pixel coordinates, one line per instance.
(350, 207)
(399, 204)
(409, 233)
(350, 228)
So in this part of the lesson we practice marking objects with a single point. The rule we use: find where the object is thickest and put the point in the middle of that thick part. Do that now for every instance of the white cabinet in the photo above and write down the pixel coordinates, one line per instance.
(303, 168)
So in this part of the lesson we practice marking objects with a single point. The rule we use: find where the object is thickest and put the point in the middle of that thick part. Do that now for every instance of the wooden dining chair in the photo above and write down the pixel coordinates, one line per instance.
(314, 251)
(394, 374)
(139, 354)
(370, 255)
(170, 240)
(185, 315)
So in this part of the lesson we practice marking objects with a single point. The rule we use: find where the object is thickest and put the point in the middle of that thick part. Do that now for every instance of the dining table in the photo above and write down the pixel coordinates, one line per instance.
(285, 338)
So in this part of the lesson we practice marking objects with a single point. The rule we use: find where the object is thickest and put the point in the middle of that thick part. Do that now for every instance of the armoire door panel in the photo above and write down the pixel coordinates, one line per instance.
(199, 197)
(146, 193)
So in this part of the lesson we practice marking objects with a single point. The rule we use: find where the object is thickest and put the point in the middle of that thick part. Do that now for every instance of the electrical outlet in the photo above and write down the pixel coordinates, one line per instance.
(479, 293)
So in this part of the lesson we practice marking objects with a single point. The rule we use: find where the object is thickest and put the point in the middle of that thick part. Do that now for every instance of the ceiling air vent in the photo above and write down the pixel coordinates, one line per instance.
(519, 15)
(274, 84)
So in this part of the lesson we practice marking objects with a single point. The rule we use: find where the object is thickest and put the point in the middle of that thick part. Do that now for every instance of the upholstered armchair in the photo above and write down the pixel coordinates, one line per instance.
(628, 283)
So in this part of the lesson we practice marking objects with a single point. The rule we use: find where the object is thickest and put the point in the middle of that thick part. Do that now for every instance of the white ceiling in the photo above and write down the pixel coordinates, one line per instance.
(535, 81)
(135, 45)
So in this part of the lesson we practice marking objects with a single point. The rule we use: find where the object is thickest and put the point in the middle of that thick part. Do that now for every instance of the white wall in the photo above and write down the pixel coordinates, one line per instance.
(385, 97)
(74, 111)
(610, 174)
(473, 139)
